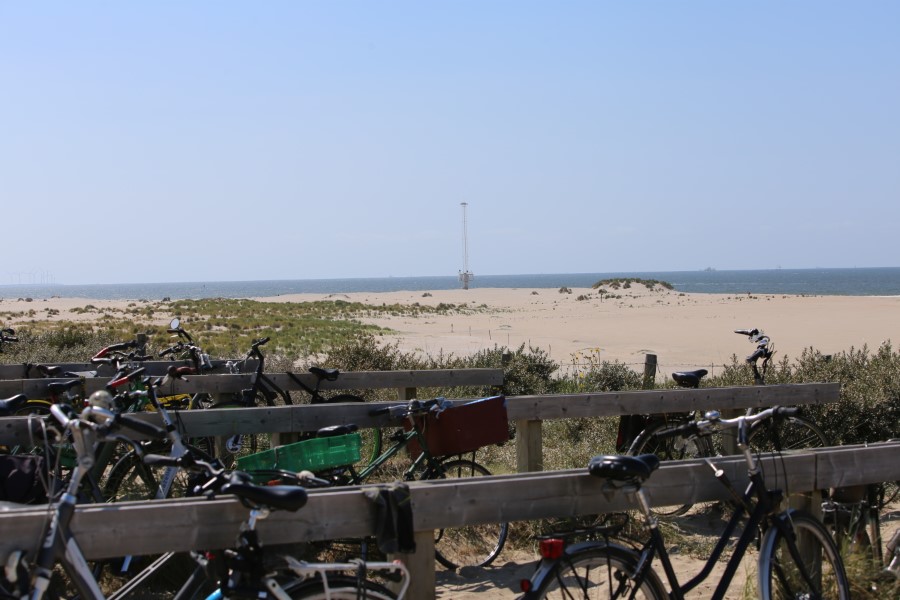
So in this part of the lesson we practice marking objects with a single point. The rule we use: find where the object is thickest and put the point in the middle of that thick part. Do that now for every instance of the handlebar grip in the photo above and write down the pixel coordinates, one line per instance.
(786, 411)
(141, 427)
(179, 372)
(163, 461)
(121, 346)
(123, 380)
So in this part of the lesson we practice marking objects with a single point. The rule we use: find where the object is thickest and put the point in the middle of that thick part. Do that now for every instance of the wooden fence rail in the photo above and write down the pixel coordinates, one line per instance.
(526, 411)
(190, 524)
(229, 384)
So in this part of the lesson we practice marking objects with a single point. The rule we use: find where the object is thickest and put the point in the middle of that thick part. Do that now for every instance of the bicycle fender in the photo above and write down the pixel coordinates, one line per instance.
(547, 566)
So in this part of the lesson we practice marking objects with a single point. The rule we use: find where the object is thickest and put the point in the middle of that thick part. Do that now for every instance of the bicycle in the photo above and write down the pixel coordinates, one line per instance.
(240, 573)
(792, 433)
(852, 515)
(797, 556)
(265, 392)
(476, 545)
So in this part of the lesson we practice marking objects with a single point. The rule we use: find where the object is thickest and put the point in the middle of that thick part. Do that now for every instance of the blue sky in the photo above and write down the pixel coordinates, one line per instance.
(201, 141)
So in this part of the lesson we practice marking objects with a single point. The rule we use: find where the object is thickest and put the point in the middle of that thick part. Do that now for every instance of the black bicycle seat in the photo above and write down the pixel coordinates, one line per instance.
(624, 468)
(11, 405)
(49, 370)
(326, 374)
(284, 497)
(689, 378)
(333, 430)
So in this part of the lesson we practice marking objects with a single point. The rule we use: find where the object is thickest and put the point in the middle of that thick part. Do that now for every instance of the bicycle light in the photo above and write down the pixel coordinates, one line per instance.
(552, 548)
(525, 585)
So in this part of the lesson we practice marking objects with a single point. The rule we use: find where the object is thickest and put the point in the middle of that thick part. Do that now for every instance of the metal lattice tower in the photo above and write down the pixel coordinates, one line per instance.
(465, 276)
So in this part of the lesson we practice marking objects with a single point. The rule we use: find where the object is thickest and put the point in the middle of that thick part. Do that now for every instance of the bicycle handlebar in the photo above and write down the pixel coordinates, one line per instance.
(705, 426)
(104, 420)
(142, 427)
(410, 409)
(126, 378)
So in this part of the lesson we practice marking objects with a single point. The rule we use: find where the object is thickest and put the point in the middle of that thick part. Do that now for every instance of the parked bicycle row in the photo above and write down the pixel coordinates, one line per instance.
(426, 430)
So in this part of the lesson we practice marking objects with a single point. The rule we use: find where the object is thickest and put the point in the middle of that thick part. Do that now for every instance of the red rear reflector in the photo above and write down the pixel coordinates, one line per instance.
(525, 585)
(552, 548)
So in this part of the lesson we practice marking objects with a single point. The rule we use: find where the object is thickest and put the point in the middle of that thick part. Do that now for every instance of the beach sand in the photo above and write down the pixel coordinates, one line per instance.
(684, 331)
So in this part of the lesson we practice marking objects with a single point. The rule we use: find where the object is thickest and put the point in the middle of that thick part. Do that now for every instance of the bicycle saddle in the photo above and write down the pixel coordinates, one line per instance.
(285, 497)
(689, 378)
(333, 430)
(58, 387)
(624, 468)
(326, 374)
(49, 370)
(11, 405)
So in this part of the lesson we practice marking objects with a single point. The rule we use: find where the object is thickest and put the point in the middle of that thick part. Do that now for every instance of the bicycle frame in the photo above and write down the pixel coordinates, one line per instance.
(403, 442)
(767, 502)
(758, 506)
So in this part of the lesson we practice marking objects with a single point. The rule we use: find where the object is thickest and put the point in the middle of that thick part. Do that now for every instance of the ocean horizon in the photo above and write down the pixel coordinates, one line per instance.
(874, 281)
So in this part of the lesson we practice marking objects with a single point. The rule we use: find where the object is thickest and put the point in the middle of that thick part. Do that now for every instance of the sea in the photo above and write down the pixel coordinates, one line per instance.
(880, 281)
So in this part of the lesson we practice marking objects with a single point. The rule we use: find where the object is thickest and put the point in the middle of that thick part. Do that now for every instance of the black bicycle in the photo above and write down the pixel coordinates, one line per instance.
(433, 458)
(241, 572)
(266, 392)
(797, 556)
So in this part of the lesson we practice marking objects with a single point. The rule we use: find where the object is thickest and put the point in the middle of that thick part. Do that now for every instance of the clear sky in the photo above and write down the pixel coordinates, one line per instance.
(201, 141)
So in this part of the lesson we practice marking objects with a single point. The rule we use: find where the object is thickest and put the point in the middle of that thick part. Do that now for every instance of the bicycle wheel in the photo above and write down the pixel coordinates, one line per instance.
(371, 437)
(803, 564)
(472, 545)
(599, 572)
(131, 479)
(340, 587)
(793, 433)
(670, 448)
(890, 490)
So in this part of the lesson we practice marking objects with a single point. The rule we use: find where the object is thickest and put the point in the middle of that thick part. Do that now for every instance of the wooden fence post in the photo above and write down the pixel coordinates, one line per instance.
(529, 446)
(649, 371)
(422, 581)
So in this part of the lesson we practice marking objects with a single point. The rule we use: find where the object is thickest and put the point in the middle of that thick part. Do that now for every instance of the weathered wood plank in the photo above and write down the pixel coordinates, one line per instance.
(226, 383)
(116, 529)
(284, 419)
(605, 404)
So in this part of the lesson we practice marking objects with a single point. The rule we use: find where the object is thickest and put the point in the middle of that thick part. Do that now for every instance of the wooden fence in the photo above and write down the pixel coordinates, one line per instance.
(106, 530)
(190, 524)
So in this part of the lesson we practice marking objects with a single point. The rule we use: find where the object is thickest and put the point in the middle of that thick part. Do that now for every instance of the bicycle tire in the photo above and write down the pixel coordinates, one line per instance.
(371, 437)
(670, 448)
(593, 571)
(471, 545)
(131, 479)
(779, 560)
(793, 433)
(890, 490)
(340, 587)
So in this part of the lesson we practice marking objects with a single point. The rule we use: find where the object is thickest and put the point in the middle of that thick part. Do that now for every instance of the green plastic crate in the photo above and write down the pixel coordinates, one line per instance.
(313, 455)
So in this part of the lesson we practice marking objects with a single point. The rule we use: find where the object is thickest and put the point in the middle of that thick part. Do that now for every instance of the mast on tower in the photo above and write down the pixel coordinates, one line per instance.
(465, 276)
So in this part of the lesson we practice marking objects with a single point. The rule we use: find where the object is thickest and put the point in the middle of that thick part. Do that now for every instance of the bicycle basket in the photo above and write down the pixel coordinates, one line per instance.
(463, 428)
(314, 455)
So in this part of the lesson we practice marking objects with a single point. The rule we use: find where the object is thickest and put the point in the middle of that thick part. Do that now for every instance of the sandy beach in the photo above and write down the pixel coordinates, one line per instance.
(684, 330)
